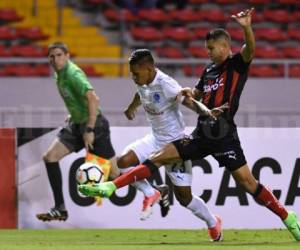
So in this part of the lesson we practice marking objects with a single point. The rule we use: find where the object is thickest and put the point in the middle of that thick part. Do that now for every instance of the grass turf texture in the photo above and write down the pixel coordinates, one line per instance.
(70, 239)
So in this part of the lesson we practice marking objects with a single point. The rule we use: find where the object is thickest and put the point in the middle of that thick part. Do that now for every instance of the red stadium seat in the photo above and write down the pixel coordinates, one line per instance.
(270, 34)
(294, 33)
(288, 1)
(296, 15)
(268, 52)
(21, 70)
(28, 51)
(89, 70)
(259, 1)
(200, 32)
(153, 15)
(114, 16)
(227, 1)
(198, 1)
(216, 15)
(94, 2)
(179, 34)
(7, 33)
(198, 51)
(279, 16)
(266, 71)
(9, 15)
(42, 69)
(193, 70)
(236, 34)
(294, 71)
(291, 52)
(187, 15)
(147, 34)
(169, 52)
(5, 51)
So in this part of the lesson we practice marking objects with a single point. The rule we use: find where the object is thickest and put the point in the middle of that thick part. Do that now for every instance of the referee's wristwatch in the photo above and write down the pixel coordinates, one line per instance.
(89, 130)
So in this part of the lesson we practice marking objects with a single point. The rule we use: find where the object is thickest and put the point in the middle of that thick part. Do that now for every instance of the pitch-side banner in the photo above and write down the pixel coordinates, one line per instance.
(273, 155)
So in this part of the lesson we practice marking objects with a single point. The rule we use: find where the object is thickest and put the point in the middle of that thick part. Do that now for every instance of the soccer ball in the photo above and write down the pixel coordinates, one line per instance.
(89, 173)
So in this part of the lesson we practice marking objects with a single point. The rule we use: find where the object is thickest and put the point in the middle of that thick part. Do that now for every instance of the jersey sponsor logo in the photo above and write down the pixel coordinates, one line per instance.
(156, 98)
(218, 83)
(152, 111)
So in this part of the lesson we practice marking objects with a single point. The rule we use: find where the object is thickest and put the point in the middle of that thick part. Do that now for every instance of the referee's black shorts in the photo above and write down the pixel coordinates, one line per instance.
(71, 136)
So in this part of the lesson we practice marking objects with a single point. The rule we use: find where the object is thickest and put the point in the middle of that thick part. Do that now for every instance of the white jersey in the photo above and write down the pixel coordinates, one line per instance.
(162, 110)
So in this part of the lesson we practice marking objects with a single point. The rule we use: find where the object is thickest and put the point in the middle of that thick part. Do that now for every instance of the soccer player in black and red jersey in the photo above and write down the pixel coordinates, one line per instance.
(222, 82)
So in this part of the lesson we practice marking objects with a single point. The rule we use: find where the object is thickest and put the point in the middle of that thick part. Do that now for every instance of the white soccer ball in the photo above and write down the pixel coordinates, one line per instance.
(89, 173)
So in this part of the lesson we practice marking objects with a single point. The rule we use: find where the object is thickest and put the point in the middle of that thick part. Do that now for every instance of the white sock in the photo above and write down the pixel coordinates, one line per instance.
(199, 208)
(143, 185)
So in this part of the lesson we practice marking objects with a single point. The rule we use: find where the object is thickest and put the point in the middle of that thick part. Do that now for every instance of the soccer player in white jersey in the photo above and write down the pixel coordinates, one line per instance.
(160, 96)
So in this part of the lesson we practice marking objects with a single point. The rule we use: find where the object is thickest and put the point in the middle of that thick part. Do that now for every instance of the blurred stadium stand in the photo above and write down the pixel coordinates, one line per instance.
(100, 35)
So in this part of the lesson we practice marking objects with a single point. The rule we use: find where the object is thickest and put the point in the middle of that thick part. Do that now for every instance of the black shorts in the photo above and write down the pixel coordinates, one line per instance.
(227, 151)
(71, 136)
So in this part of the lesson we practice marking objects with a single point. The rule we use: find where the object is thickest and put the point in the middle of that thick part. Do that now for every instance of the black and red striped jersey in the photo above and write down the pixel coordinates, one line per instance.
(223, 83)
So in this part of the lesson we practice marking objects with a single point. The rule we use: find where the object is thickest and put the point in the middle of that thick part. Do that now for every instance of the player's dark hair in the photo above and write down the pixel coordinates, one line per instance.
(58, 45)
(141, 56)
(216, 34)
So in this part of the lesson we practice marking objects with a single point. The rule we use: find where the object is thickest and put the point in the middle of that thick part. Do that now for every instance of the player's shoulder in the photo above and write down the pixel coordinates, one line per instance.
(75, 71)
(164, 79)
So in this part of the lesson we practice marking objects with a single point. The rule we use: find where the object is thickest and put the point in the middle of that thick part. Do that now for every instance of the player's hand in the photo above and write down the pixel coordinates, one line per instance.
(88, 139)
(244, 17)
(216, 112)
(130, 113)
(187, 92)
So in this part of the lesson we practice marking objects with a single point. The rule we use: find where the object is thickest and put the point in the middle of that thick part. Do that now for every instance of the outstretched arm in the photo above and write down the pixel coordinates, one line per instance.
(132, 107)
(244, 19)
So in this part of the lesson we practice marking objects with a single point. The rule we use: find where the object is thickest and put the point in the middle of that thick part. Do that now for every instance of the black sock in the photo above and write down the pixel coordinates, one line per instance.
(55, 179)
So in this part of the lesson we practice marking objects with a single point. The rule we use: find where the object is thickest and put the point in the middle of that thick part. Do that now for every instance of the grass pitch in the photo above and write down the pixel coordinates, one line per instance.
(81, 239)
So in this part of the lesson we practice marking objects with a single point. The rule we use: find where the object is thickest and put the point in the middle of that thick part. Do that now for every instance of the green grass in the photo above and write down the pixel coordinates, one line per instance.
(143, 240)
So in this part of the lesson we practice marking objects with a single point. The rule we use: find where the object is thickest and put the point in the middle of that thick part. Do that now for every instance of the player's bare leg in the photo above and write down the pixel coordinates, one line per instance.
(56, 151)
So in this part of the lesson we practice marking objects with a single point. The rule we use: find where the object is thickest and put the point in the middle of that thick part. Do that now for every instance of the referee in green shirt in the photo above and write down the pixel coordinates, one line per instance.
(85, 125)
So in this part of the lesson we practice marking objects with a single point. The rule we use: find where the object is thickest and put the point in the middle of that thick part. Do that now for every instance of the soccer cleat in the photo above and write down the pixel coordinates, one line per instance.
(53, 214)
(215, 233)
(104, 189)
(164, 201)
(293, 225)
(148, 202)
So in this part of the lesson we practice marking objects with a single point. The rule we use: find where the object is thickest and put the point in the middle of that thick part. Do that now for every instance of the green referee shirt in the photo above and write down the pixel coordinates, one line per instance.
(72, 85)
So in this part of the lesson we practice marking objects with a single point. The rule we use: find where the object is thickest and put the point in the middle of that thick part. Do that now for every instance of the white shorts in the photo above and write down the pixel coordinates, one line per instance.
(179, 173)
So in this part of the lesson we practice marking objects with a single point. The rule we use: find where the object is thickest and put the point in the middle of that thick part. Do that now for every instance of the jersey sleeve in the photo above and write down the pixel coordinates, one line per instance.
(171, 89)
(238, 63)
(80, 82)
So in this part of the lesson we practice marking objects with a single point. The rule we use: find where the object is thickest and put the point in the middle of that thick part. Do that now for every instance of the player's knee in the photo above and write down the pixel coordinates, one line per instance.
(183, 199)
(50, 157)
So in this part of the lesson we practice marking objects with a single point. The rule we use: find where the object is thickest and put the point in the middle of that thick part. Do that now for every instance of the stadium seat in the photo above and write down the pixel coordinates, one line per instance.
(268, 52)
(294, 71)
(115, 16)
(21, 70)
(153, 15)
(147, 34)
(198, 51)
(296, 16)
(266, 71)
(270, 34)
(5, 51)
(89, 70)
(28, 51)
(216, 15)
(198, 1)
(187, 15)
(179, 34)
(193, 70)
(291, 52)
(34, 33)
(236, 34)
(9, 15)
(227, 1)
(94, 2)
(201, 32)
(294, 33)
(169, 52)
(257, 2)
(279, 16)
(288, 2)
(42, 69)
(7, 33)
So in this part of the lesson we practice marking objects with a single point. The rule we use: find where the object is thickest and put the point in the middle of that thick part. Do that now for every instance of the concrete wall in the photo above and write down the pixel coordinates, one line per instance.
(35, 102)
